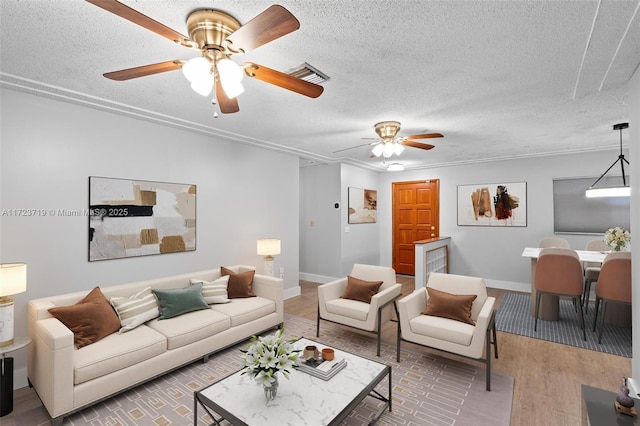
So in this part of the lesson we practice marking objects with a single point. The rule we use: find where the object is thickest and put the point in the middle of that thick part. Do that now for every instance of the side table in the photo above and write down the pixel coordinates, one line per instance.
(6, 378)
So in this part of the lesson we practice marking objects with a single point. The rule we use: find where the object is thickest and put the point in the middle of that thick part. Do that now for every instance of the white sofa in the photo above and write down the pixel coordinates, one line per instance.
(68, 379)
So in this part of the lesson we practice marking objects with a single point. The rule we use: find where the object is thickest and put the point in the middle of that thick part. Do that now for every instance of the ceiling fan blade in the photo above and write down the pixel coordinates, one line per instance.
(425, 136)
(144, 21)
(420, 145)
(283, 80)
(273, 23)
(357, 146)
(227, 105)
(145, 70)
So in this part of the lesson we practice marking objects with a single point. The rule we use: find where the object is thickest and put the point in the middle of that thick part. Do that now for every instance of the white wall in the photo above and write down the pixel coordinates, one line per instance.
(50, 148)
(361, 244)
(319, 243)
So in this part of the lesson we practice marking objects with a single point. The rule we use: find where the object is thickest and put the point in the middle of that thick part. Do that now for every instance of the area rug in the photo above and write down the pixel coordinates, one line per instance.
(428, 389)
(514, 316)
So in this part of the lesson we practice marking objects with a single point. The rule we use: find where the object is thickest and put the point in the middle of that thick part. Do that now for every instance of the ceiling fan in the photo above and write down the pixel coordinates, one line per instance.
(387, 144)
(217, 36)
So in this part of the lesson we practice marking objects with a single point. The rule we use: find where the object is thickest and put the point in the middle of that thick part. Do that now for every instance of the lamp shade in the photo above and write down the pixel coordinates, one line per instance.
(13, 278)
(268, 246)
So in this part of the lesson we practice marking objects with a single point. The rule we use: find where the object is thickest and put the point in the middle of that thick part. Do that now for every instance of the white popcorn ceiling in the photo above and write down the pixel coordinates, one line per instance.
(499, 79)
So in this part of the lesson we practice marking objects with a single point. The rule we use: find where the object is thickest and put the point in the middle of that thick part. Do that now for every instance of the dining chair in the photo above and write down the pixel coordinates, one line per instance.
(614, 285)
(592, 269)
(559, 273)
(550, 242)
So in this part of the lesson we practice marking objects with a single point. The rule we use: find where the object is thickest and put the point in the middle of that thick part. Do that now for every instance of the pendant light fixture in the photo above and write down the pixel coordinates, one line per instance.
(623, 190)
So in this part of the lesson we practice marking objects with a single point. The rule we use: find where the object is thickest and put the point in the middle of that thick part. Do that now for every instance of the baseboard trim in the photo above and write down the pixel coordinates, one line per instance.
(292, 292)
(508, 285)
(321, 279)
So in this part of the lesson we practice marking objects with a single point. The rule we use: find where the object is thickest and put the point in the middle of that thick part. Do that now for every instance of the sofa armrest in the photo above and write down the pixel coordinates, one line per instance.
(51, 358)
(270, 288)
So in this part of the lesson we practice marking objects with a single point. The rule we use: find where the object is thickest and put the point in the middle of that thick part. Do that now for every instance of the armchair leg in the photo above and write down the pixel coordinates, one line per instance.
(318, 322)
(379, 330)
(398, 334)
(495, 340)
(488, 354)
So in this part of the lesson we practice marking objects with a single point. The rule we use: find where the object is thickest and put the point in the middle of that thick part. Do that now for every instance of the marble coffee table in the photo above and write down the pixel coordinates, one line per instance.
(301, 400)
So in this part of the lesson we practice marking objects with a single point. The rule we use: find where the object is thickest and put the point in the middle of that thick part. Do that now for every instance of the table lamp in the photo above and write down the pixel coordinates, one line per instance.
(13, 280)
(268, 247)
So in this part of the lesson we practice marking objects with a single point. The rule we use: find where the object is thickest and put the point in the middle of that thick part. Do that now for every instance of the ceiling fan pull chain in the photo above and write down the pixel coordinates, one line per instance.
(215, 95)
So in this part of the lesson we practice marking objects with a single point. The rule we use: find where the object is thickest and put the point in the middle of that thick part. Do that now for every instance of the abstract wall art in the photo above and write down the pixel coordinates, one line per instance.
(363, 204)
(129, 218)
(496, 204)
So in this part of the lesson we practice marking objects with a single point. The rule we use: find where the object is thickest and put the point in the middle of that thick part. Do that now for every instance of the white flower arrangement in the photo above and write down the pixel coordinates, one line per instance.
(617, 238)
(269, 355)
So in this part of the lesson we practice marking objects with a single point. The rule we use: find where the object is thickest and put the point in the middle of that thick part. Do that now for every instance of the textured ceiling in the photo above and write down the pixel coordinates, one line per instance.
(498, 79)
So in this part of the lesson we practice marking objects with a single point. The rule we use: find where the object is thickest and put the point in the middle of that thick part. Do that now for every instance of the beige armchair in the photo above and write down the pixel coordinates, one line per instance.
(470, 339)
(333, 307)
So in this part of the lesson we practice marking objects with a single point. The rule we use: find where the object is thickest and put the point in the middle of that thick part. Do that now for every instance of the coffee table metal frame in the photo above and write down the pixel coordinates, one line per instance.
(212, 408)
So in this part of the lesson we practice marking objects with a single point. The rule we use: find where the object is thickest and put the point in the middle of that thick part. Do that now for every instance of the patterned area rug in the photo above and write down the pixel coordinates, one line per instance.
(428, 389)
(514, 316)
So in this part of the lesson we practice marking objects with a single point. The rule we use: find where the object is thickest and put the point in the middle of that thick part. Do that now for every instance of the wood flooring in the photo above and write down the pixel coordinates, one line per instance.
(547, 375)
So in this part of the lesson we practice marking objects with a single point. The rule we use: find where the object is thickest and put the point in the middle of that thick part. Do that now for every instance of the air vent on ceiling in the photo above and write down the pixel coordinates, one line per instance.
(308, 73)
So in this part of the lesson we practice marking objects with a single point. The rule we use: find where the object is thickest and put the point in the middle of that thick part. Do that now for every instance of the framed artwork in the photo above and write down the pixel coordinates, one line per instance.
(129, 218)
(363, 204)
(495, 204)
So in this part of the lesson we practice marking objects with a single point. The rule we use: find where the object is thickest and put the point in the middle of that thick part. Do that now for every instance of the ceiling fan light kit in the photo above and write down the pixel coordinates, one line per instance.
(613, 191)
(388, 144)
(218, 36)
(395, 167)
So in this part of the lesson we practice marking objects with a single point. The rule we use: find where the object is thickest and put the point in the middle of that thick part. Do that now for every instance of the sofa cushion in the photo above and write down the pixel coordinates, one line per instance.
(444, 329)
(240, 285)
(191, 327)
(178, 301)
(90, 320)
(361, 290)
(453, 306)
(135, 309)
(244, 310)
(348, 308)
(214, 291)
(117, 351)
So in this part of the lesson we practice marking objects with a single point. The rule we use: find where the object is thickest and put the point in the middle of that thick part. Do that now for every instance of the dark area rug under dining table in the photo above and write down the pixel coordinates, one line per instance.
(514, 316)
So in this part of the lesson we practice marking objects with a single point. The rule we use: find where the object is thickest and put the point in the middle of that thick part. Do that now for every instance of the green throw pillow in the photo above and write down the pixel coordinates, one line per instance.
(178, 301)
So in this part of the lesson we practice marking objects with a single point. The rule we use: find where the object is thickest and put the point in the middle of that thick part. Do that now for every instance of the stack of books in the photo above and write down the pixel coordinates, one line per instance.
(323, 369)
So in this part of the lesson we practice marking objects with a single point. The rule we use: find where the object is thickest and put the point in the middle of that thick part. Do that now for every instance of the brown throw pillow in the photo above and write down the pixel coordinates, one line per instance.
(361, 290)
(453, 306)
(91, 319)
(239, 284)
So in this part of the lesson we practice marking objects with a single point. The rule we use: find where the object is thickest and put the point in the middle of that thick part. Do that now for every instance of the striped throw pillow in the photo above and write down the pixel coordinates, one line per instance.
(214, 291)
(135, 309)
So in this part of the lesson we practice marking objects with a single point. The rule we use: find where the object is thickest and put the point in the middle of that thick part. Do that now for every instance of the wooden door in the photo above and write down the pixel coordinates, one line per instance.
(416, 216)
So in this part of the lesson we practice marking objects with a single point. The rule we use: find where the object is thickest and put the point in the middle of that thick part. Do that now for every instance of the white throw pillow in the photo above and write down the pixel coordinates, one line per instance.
(214, 291)
(136, 309)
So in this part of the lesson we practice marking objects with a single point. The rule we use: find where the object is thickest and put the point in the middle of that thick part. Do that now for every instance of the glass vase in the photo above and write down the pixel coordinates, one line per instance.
(271, 389)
